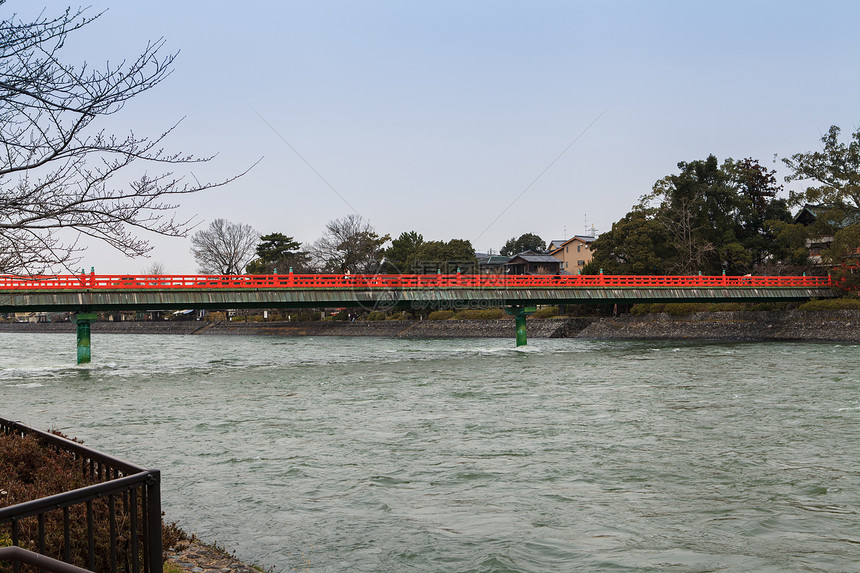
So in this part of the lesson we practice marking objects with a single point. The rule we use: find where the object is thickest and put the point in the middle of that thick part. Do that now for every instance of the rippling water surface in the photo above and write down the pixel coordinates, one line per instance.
(367, 454)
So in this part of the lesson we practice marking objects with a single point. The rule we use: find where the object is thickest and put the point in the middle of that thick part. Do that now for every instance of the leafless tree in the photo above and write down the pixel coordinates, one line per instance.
(224, 248)
(155, 268)
(349, 244)
(61, 174)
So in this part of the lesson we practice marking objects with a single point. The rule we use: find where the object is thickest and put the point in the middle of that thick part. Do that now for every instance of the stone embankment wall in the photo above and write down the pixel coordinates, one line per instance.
(824, 326)
(501, 328)
(129, 327)
(818, 326)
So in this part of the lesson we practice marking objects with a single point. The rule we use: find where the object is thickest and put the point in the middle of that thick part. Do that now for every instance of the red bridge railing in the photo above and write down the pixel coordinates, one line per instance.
(330, 281)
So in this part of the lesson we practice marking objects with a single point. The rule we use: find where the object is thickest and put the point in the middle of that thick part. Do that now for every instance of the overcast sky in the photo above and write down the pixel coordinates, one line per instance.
(478, 120)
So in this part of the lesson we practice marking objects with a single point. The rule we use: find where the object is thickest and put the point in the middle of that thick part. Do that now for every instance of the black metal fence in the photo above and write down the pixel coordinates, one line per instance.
(113, 525)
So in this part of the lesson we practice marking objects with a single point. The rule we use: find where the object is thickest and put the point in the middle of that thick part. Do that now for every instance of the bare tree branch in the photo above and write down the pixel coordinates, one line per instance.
(224, 248)
(349, 244)
(60, 173)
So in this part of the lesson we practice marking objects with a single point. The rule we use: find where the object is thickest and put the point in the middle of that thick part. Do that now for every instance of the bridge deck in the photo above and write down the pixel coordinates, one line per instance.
(86, 293)
(326, 281)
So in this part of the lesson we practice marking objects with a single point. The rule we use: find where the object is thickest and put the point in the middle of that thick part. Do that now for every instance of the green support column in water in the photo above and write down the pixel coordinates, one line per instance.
(83, 321)
(520, 313)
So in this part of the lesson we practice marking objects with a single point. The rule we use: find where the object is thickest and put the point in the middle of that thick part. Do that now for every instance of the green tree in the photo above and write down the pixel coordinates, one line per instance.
(758, 210)
(716, 215)
(834, 174)
(526, 242)
(706, 218)
(445, 256)
(790, 253)
(844, 255)
(694, 206)
(401, 254)
(638, 244)
(277, 251)
(845, 248)
(834, 171)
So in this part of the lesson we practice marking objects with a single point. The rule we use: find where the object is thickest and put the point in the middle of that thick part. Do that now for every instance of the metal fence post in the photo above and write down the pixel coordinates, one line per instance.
(153, 502)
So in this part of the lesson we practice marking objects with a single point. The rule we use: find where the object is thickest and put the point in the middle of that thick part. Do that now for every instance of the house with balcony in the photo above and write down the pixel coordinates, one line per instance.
(574, 253)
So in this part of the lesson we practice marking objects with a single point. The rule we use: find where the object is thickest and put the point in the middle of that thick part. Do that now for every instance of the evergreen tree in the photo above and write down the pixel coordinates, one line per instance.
(526, 242)
(278, 252)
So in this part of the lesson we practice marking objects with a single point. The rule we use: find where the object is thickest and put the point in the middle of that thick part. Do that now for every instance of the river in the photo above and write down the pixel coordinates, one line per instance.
(371, 454)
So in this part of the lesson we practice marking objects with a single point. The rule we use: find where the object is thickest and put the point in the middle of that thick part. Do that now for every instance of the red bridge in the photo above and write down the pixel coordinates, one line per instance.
(340, 281)
(87, 294)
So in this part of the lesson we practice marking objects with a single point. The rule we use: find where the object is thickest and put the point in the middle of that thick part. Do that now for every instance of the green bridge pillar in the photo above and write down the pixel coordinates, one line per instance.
(520, 313)
(83, 321)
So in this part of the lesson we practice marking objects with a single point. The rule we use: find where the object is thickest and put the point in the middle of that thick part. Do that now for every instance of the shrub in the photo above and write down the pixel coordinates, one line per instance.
(479, 314)
(375, 315)
(546, 312)
(725, 306)
(832, 304)
(765, 306)
(493, 313)
(681, 308)
(441, 315)
(303, 315)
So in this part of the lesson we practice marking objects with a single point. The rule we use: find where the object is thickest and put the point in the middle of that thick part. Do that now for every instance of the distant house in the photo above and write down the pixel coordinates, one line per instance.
(120, 316)
(31, 317)
(574, 253)
(492, 264)
(807, 216)
(531, 263)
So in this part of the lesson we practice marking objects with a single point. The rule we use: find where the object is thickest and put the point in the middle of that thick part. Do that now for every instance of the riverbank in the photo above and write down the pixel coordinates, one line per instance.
(765, 326)
(497, 328)
(194, 556)
(791, 325)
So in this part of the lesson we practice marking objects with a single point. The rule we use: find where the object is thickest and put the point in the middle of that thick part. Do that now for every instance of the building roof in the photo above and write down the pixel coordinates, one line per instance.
(531, 257)
(493, 259)
(582, 238)
(809, 213)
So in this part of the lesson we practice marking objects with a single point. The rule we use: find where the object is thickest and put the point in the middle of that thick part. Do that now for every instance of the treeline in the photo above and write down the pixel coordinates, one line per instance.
(709, 218)
(349, 244)
(730, 217)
